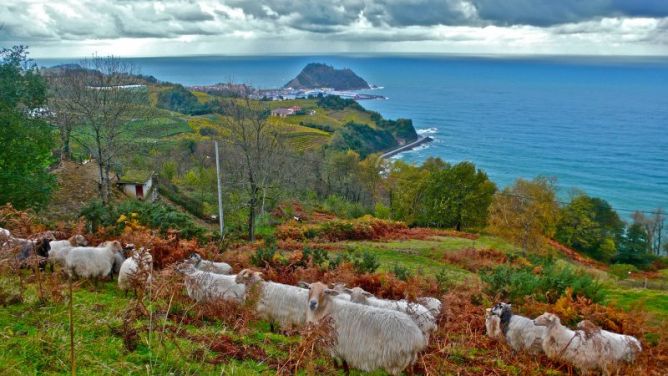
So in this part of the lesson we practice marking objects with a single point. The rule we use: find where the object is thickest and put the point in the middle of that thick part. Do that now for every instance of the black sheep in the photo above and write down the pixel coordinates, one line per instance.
(40, 247)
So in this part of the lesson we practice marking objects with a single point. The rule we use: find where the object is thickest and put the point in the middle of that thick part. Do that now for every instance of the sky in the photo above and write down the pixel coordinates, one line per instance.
(77, 28)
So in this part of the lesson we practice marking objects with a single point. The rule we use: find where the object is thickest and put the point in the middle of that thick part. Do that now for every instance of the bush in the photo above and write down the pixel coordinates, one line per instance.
(315, 256)
(264, 255)
(156, 216)
(401, 272)
(622, 271)
(546, 283)
(170, 191)
(343, 208)
(367, 262)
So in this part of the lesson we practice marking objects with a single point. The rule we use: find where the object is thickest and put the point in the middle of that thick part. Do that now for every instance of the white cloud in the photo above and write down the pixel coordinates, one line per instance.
(176, 27)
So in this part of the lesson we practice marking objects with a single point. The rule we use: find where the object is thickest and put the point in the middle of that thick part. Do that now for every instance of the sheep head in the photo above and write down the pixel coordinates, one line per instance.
(185, 268)
(248, 277)
(547, 319)
(358, 295)
(78, 241)
(318, 296)
(42, 247)
(195, 258)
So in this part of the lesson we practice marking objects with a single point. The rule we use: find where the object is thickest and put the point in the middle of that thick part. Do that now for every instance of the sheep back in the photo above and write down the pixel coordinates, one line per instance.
(369, 338)
(283, 303)
(90, 262)
(524, 335)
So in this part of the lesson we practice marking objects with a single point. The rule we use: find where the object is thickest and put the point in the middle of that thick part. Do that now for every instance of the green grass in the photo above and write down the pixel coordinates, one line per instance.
(653, 301)
(34, 340)
(158, 127)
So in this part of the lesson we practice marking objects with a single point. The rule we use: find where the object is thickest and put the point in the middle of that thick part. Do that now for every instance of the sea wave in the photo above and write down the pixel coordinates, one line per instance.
(426, 131)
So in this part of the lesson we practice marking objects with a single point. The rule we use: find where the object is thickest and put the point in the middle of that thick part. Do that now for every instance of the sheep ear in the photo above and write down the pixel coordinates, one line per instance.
(331, 292)
(347, 290)
(303, 284)
(367, 294)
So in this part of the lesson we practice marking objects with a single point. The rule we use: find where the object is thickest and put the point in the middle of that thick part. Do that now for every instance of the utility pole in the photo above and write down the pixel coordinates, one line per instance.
(220, 191)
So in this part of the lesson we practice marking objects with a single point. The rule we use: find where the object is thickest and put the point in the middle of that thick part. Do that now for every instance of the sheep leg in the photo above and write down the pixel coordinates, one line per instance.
(272, 328)
(346, 368)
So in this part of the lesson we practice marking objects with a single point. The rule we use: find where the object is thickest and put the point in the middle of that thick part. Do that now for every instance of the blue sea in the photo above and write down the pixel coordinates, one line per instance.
(598, 124)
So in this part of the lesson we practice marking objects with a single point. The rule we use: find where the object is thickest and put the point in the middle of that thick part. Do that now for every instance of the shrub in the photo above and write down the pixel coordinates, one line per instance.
(364, 228)
(156, 216)
(401, 272)
(546, 283)
(622, 271)
(367, 262)
(343, 208)
(264, 256)
(316, 256)
(170, 191)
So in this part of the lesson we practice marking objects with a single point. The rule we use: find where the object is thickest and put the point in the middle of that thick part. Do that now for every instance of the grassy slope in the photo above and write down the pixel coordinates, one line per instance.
(35, 340)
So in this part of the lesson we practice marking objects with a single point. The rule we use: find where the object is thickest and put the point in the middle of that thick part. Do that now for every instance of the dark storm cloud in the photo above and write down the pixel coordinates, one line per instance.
(554, 12)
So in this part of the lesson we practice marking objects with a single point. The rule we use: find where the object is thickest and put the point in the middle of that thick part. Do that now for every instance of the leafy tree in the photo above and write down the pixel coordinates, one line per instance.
(26, 140)
(590, 225)
(456, 196)
(634, 247)
(179, 99)
(405, 184)
(362, 138)
(525, 213)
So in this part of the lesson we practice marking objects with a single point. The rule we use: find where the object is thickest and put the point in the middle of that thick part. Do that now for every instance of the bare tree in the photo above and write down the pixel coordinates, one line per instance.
(653, 225)
(59, 115)
(257, 146)
(105, 95)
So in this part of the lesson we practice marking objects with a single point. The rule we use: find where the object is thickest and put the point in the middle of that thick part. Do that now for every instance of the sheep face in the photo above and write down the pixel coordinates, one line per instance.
(195, 258)
(248, 277)
(340, 287)
(547, 319)
(185, 268)
(358, 295)
(318, 296)
(78, 241)
(500, 308)
(42, 247)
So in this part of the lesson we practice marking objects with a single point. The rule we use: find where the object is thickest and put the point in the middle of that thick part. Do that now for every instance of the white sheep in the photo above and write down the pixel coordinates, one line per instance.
(419, 313)
(139, 265)
(493, 325)
(587, 351)
(623, 347)
(206, 286)
(367, 338)
(92, 262)
(277, 302)
(60, 248)
(518, 331)
(433, 305)
(210, 266)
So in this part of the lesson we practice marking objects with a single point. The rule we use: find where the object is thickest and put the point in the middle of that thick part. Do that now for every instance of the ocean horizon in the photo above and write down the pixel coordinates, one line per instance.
(597, 124)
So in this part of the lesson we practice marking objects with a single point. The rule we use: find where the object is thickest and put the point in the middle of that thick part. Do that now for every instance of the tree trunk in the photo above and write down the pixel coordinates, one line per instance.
(252, 207)
(107, 181)
(65, 151)
(102, 188)
(251, 215)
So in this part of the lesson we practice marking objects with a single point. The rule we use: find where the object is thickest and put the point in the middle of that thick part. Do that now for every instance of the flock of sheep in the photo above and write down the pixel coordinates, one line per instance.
(370, 333)
(588, 348)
